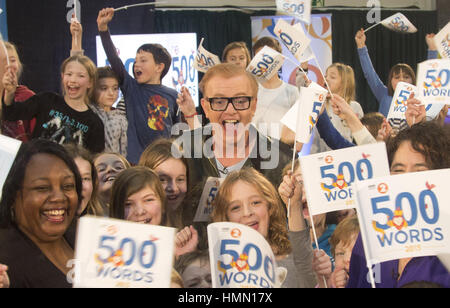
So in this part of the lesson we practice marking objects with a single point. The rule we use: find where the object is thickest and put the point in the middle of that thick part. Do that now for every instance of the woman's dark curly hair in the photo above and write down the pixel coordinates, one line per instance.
(429, 139)
(15, 178)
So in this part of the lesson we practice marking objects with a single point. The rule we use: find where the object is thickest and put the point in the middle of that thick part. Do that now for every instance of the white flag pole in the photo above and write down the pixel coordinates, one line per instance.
(371, 27)
(366, 249)
(316, 242)
(139, 4)
(321, 72)
(75, 9)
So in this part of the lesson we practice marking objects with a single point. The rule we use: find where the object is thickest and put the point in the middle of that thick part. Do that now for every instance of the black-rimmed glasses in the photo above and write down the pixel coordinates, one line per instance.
(221, 103)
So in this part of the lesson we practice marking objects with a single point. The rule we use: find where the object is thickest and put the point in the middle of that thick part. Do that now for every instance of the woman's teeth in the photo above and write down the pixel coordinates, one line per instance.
(55, 215)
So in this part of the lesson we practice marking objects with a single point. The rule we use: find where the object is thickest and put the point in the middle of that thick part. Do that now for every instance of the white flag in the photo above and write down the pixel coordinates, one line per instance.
(399, 23)
(293, 37)
(433, 81)
(240, 257)
(8, 151)
(205, 208)
(329, 177)
(300, 9)
(113, 253)
(204, 59)
(302, 117)
(396, 116)
(442, 40)
(265, 64)
(405, 216)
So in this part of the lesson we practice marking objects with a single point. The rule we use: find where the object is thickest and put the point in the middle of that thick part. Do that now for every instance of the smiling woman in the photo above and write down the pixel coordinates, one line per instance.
(39, 201)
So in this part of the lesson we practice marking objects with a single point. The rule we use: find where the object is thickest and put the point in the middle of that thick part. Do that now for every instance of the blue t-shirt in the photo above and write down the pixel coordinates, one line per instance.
(151, 109)
(151, 113)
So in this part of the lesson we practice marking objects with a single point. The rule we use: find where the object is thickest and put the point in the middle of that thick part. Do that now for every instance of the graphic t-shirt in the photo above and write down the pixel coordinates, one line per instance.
(151, 109)
(57, 121)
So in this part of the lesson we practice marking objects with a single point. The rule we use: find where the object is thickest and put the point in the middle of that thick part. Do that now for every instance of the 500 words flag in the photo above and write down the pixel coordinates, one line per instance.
(209, 193)
(300, 9)
(265, 63)
(404, 216)
(204, 59)
(8, 151)
(240, 257)
(433, 81)
(329, 177)
(294, 38)
(442, 40)
(396, 116)
(113, 253)
(399, 23)
(302, 117)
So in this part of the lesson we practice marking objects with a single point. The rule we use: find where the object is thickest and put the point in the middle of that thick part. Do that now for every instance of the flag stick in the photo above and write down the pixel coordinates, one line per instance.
(75, 8)
(371, 27)
(139, 4)
(324, 79)
(316, 242)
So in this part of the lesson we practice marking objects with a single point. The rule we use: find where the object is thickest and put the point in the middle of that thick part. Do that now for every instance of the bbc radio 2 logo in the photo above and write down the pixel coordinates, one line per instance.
(436, 81)
(343, 176)
(398, 24)
(399, 227)
(245, 266)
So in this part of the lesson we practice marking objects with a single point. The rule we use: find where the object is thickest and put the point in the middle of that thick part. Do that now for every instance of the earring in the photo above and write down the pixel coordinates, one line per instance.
(13, 214)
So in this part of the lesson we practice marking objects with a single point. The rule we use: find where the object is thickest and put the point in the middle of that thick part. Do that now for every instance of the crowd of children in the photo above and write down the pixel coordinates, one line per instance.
(120, 160)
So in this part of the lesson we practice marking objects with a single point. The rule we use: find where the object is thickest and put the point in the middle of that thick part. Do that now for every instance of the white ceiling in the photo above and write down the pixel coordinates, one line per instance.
(422, 4)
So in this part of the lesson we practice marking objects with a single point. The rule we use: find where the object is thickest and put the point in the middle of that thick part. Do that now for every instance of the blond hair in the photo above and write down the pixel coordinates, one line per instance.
(277, 236)
(227, 70)
(236, 45)
(347, 81)
(344, 232)
(91, 70)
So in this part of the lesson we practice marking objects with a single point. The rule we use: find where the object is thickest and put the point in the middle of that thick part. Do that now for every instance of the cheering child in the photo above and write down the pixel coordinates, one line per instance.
(248, 198)
(275, 98)
(138, 196)
(172, 172)
(398, 73)
(63, 118)
(341, 80)
(108, 166)
(150, 106)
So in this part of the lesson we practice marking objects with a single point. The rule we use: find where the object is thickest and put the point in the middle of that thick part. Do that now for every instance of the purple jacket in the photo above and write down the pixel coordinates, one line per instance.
(428, 269)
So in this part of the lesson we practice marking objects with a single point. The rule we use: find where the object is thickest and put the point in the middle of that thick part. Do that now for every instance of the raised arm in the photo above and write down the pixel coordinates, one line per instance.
(103, 19)
(330, 134)
(9, 85)
(374, 81)
(76, 30)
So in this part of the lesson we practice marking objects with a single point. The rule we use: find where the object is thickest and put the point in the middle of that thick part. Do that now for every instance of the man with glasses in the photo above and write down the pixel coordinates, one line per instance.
(229, 142)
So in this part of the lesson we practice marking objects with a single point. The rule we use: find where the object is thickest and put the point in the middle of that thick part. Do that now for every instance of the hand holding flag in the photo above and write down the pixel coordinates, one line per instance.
(398, 23)
(204, 59)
